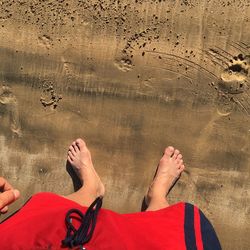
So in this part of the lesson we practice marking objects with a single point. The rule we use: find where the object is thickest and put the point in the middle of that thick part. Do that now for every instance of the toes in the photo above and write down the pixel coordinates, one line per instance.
(75, 147)
(182, 167)
(70, 160)
(179, 156)
(179, 162)
(179, 171)
(72, 150)
(176, 153)
(80, 143)
(169, 151)
(70, 157)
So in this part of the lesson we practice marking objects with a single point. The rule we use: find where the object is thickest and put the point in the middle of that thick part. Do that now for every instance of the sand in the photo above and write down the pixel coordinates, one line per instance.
(130, 77)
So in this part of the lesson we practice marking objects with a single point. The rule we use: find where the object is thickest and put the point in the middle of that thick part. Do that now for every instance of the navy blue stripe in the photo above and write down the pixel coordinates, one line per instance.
(209, 237)
(189, 227)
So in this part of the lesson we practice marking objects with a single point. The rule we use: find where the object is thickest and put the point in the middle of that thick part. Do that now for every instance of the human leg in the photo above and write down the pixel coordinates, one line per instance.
(168, 171)
(80, 159)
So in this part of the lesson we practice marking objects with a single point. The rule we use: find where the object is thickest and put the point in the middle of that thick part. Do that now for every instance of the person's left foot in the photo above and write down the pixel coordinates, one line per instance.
(80, 159)
(169, 170)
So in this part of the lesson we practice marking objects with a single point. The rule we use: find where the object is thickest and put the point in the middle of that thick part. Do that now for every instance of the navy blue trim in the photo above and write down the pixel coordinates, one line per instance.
(189, 227)
(209, 237)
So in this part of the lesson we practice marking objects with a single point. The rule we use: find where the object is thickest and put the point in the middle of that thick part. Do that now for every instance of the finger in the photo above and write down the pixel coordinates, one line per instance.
(8, 197)
(4, 210)
(4, 185)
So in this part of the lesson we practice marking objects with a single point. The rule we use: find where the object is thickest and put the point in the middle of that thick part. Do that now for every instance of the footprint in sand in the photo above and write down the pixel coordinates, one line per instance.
(225, 105)
(234, 77)
(124, 64)
(49, 97)
(9, 102)
(233, 81)
(45, 41)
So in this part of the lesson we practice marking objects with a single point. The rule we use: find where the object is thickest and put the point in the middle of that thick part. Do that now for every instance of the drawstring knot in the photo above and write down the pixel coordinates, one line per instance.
(82, 235)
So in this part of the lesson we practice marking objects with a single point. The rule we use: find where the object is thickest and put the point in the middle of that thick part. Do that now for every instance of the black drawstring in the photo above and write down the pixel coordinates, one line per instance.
(78, 237)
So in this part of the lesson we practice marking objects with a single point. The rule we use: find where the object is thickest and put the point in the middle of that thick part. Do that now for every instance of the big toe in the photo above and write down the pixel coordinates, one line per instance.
(169, 151)
(80, 143)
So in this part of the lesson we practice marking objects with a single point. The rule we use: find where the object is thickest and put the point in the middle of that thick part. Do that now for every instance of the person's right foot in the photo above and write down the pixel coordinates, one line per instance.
(80, 159)
(168, 171)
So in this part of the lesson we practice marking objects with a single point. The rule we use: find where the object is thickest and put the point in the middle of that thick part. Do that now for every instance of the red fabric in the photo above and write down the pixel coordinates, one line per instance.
(197, 228)
(40, 224)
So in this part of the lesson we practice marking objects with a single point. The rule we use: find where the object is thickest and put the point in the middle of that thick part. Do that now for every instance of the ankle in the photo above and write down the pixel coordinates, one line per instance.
(157, 199)
(157, 204)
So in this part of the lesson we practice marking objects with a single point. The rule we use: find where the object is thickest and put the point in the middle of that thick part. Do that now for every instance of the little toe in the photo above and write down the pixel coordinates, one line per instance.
(182, 167)
(70, 160)
(71, 156)
(169, 151)
(180, 163)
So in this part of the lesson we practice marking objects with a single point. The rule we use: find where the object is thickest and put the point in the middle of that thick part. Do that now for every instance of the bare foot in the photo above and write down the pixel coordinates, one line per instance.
(80, 159)
(168, 171)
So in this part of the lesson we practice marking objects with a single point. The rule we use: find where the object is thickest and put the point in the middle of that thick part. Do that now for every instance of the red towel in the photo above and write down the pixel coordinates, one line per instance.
(40, 224)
